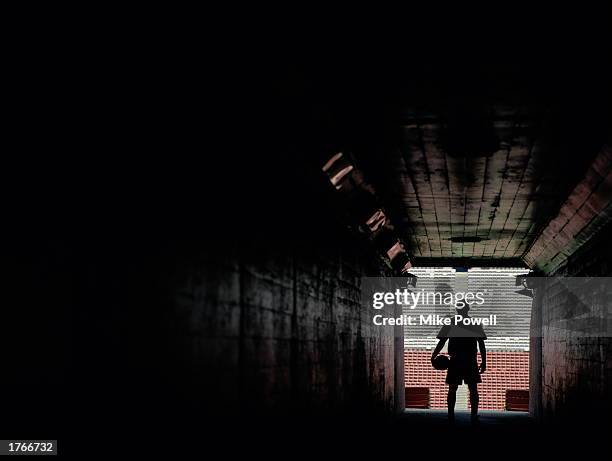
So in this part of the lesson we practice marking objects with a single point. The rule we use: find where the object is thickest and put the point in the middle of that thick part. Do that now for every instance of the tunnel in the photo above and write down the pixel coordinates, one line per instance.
(204, 291)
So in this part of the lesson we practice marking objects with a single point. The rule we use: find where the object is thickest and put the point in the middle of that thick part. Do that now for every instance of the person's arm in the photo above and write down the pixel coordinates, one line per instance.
(483, 355)
(438, 348)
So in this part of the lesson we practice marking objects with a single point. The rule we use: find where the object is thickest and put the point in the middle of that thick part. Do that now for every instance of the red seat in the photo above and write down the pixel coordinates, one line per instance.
(417, 397)
(517, 400)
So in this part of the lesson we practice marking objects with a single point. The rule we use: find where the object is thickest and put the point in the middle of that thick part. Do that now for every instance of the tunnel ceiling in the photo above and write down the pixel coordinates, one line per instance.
(469, 165)
(470, 206)
(485, 189)
(492, 204)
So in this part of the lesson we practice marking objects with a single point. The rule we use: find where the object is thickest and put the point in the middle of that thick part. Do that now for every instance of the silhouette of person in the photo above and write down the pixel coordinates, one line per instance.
(463, 366)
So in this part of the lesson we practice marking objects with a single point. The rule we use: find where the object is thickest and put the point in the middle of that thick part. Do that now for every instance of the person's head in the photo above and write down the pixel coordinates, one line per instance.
(463, 307)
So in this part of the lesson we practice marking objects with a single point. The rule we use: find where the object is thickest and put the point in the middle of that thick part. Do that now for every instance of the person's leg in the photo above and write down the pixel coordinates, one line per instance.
(451, 399)
(473, 387)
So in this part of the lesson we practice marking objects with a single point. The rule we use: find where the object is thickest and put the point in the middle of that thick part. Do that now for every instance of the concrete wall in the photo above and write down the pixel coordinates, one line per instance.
(269, 329)
(571, 377)
(237, 294)
(258, 327)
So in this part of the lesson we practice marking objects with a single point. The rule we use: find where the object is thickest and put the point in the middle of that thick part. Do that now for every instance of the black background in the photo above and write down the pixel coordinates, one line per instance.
(128, 139)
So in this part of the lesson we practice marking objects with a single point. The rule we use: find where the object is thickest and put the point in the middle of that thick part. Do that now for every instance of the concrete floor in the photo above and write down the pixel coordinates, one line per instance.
(462, 418)
(497, 433)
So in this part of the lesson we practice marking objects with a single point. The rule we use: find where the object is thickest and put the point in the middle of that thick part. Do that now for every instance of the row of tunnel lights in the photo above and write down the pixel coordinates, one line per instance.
(347, 179)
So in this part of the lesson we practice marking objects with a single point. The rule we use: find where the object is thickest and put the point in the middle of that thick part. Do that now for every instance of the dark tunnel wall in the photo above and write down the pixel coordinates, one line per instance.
(571, 376)
(250, 329)
(245, 306)
(176, 335)
(188, 292)
(274, 329)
